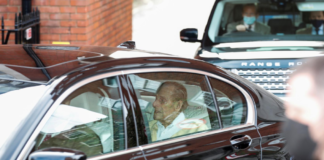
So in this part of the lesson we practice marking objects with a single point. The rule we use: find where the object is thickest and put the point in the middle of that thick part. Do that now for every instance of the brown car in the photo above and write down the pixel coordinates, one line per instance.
(78, 102)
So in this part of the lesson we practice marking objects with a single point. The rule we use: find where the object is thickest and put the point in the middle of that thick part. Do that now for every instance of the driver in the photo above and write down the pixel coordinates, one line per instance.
(170, 102)
(249, 22)
(317, 18)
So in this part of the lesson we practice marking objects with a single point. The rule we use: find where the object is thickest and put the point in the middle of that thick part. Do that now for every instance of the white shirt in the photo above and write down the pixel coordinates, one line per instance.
(170, 130)
(252, 26)
(320, 31)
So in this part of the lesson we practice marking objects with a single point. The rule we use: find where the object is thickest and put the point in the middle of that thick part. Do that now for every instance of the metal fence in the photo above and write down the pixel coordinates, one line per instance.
(26, 30)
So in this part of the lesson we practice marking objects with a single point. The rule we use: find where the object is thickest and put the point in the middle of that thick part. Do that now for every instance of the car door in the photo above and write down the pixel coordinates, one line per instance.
(222, 130)
(93, 116)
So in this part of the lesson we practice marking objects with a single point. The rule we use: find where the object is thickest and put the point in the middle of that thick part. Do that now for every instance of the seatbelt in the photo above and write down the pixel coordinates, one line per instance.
(316, 29)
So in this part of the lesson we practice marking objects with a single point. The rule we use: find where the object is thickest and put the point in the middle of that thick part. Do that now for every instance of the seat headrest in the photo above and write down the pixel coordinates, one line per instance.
(305, 17)
(280, 22)
(237, 13)
(283, 26)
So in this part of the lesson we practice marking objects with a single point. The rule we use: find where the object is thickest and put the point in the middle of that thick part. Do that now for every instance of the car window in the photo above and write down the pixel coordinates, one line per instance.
(89, 120)
(174, 104)
(231, 102)
(247, 20)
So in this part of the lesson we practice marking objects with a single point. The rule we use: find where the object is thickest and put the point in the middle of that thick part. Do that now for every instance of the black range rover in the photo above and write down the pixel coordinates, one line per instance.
(261, 40)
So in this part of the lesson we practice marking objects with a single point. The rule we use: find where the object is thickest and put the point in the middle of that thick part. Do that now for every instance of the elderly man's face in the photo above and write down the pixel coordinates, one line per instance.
(303, 106)
(249, 11)
(164, 104)
(318, 15)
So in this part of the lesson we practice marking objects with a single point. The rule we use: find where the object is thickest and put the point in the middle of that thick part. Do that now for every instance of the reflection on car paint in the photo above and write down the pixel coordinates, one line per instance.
(176, 147)
(277, 141)
(271, 148)
(234, 156)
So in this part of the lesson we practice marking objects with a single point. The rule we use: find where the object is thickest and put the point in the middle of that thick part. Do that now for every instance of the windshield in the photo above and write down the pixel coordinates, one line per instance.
(263, 20)
(17, 99)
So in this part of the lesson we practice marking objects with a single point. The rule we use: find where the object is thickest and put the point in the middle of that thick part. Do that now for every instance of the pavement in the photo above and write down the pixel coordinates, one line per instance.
(157, 24)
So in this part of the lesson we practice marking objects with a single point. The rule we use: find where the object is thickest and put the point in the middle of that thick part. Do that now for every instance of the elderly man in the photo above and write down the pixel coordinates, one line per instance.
(317, 19)
(249, 22)
(169, 120)
(306, 101)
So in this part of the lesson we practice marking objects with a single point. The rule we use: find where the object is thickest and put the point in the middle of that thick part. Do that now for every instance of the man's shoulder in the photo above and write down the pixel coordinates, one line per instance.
(307, 30)
(153, 124)
(193, 125)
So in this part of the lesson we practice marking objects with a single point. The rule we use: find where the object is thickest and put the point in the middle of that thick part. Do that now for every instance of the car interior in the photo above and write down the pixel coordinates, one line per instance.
(89, 120)
(281, 23)
(285, 19)
(201, 103)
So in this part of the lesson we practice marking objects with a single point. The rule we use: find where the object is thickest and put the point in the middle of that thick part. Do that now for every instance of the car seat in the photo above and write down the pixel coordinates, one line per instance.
(235, 15)
(87, 100)
(281, 26)
(196, 108)
(305, 20)
(94, 97)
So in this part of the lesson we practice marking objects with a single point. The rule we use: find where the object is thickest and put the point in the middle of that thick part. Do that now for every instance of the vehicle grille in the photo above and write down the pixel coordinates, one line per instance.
(269, 79)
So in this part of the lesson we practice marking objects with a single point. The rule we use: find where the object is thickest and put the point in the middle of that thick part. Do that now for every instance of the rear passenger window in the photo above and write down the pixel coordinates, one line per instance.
(90, 120)
(174, 104)
(231, 103)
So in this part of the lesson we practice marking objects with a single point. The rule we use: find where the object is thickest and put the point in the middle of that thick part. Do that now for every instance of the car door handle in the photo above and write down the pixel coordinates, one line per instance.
(239, 139)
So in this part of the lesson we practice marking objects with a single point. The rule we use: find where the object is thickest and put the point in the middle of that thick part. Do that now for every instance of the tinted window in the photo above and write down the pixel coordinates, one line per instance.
(89, 120)
(242, 20)
(231, 102)
(174, 104)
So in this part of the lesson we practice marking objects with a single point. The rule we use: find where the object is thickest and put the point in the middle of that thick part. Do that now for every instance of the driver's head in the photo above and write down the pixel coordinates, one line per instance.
(171, 99)
(316, 15)
(249, 13)
(249, 10)
(316, 18)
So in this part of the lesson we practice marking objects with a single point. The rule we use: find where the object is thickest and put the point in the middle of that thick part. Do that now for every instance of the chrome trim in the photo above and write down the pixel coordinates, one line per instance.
(251, 118)
(242, 139)
(56, 104)
(140, 147)
(249, 55)
(278, 91)
(250, 122)
(270, 44)
(118, 153)
(215, 102)
(124, 114)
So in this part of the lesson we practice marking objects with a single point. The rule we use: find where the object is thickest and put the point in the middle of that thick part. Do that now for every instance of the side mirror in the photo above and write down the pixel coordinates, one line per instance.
(127, 44)
(57, 153)
(189, 35)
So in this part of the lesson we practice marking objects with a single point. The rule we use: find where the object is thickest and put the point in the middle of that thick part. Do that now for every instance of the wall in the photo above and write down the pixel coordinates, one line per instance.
(80, 22)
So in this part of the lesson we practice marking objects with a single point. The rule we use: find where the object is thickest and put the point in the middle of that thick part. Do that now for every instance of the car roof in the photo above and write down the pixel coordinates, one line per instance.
(41, 63)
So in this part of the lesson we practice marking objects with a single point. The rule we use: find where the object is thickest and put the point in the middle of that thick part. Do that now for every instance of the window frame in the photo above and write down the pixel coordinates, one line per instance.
(209, 87)
(251, 109)
(250, 122)
(30, 143)
(216, 101)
